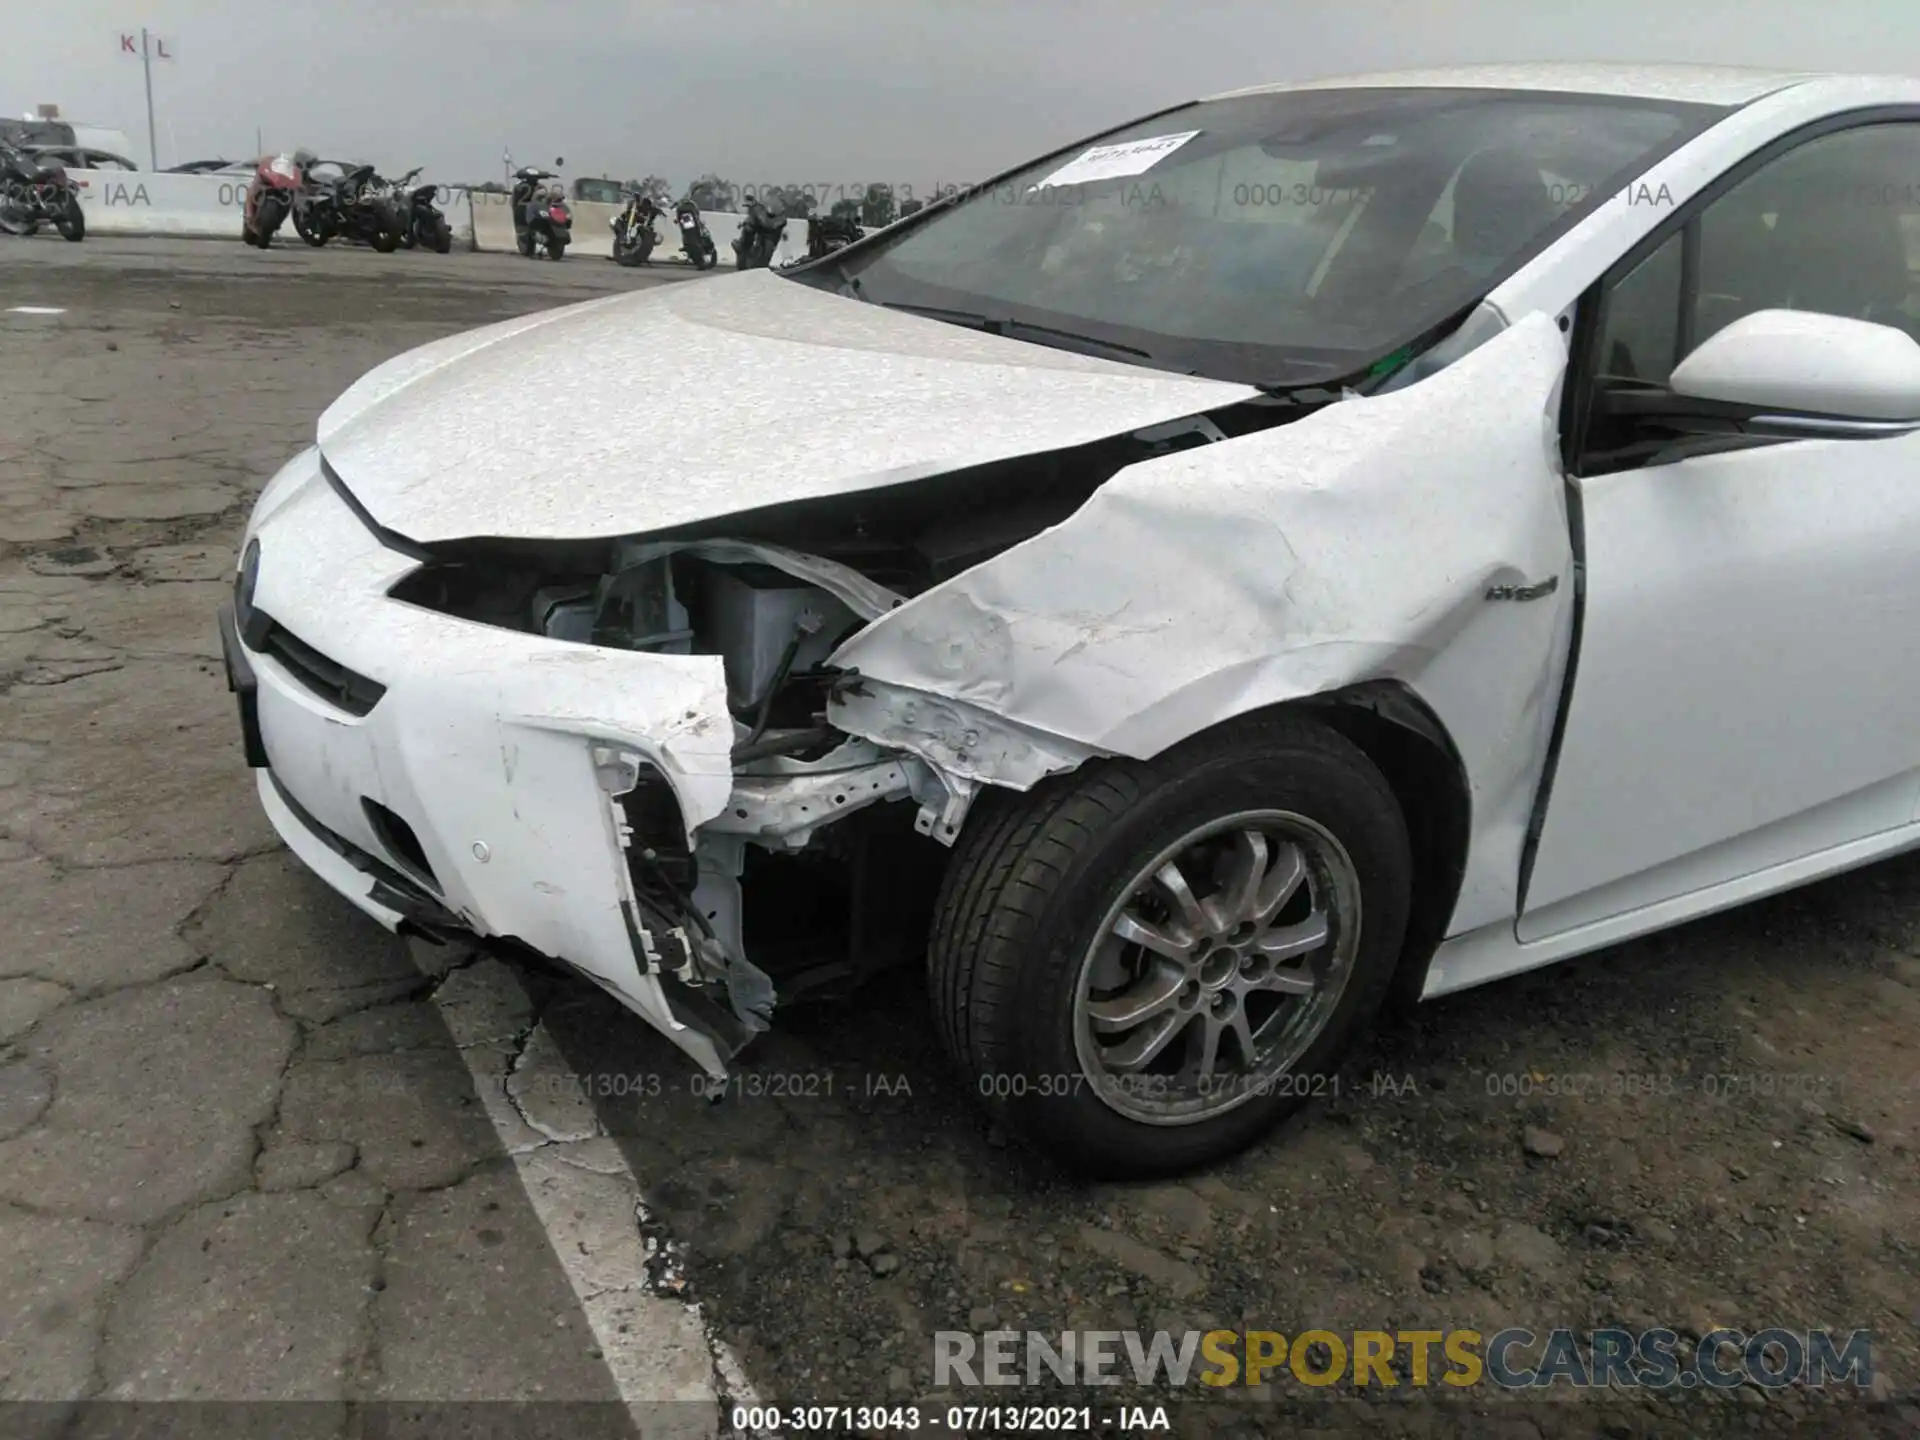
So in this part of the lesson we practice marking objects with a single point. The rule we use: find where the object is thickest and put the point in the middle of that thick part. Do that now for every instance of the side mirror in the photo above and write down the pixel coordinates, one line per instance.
(1804, 363)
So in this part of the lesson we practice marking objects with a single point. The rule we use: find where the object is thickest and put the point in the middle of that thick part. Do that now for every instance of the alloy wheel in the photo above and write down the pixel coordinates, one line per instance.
(1223, 959)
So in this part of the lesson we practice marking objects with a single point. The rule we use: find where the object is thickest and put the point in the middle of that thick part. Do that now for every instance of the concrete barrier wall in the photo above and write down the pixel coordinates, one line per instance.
(492, 221)
(137, 202)
(458, 206)
(206, 207)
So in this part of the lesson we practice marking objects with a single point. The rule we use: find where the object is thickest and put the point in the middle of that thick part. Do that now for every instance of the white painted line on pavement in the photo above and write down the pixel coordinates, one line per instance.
(36, 310)
(657, 1348)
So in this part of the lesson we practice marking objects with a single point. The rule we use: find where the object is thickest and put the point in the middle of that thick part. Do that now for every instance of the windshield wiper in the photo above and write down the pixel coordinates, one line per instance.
(1026, 330)
(952, 317)
(1023, 327)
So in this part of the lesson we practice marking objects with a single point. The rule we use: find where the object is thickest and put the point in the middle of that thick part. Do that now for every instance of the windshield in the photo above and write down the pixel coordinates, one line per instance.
(1281, 238)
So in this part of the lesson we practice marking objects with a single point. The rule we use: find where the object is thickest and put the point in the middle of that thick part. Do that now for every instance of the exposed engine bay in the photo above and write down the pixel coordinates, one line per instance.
(821, 828)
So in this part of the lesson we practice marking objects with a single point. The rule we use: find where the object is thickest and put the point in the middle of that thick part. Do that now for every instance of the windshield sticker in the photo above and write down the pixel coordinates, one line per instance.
(1107, 162)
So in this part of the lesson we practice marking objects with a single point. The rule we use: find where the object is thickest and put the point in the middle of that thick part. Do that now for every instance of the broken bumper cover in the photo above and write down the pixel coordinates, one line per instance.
(483, 791)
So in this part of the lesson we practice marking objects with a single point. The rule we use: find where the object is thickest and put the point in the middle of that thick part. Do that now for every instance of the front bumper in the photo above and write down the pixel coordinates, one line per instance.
(480, 790)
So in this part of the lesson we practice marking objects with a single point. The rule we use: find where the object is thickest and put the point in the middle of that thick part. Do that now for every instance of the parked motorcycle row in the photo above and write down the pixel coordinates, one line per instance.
(761, 231)
(634, 239)
(330, 199)
(325, 200)
(36, 192)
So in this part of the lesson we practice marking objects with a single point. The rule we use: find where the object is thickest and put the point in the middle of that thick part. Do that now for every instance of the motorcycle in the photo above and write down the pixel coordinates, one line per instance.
(270, 197)
(633, 235)
(425, 225)
(313, 202)
(540, 216)
(355, 206)
(828, 233)
(759, 238)
(695, 239)
(31, 192)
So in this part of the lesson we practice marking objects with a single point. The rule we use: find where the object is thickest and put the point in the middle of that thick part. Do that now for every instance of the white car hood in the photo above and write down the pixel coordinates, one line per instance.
(691, 401)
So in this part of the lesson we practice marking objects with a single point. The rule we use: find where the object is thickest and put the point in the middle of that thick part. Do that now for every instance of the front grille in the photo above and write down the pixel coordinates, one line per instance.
(329, 679)
(326, 677)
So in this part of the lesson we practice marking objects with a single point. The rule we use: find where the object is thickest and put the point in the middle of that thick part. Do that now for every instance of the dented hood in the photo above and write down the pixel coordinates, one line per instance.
(693, 401)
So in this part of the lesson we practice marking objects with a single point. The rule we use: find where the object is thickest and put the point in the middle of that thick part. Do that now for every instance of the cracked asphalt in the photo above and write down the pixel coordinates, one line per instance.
(252, 1148)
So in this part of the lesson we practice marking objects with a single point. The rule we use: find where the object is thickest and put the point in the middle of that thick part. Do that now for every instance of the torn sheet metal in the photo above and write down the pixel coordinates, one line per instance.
(785, 810)
(1357, 544)
(962, 746)
(864, 597)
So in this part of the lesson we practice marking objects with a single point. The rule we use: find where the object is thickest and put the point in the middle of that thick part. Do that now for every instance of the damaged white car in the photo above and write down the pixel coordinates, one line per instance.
(1313, 544)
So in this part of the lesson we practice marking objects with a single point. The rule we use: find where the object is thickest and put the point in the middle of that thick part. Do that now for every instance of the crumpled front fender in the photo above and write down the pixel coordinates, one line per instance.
(1379, 538)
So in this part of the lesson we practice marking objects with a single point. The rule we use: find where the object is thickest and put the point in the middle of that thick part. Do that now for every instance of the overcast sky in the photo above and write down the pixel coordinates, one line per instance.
(790, 91)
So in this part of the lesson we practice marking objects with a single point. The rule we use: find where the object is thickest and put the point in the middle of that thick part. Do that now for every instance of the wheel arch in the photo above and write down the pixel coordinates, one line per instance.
(1400, 733)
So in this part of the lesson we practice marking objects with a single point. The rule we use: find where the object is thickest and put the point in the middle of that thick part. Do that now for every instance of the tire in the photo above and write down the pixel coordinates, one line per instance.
(72, 221)
(267, 220)
(524, 243)
(1038, 880)
(442, 236)
(407, 240)
(385, 241)
(314, 235)
(556, 248)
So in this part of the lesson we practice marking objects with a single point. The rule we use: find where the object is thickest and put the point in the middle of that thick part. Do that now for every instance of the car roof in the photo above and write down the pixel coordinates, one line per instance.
(1697, 84)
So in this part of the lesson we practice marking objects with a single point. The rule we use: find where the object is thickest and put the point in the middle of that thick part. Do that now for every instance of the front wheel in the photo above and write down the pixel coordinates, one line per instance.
(556, 247)
(386, 240)
(442, 236)
(524, 242)
(71, 222)
(1144, 966)
(312, 231)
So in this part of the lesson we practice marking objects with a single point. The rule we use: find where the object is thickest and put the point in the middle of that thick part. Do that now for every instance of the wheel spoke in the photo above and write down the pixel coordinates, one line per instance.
(1282, 882)
(1240, 893)
(1286, 982)
(1193, 915)
(1153, 993)
(1287, 941)
(1146, 1042)
(1208, 1047)
(1243, 1033)
(1136, 931)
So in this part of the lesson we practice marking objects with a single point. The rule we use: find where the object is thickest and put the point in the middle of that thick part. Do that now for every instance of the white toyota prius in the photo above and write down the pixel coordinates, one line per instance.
(1322, 543)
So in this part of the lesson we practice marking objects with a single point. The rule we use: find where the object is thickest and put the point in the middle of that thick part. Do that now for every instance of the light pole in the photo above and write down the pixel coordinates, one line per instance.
(146, 65)
(149, 44)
